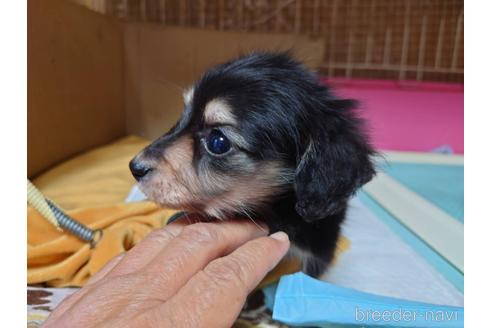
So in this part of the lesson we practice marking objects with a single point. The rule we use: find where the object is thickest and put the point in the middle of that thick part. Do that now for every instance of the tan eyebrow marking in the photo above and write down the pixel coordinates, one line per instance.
(218, 111)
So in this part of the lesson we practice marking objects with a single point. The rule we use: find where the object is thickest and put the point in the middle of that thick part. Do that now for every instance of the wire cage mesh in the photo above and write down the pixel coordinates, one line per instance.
(386, 39)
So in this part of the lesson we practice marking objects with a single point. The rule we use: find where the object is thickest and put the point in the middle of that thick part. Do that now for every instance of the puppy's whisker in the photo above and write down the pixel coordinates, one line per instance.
(245, 212)
(171, 83)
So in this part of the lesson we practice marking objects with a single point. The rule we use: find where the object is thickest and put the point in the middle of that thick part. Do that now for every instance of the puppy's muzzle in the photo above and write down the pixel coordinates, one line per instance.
(139, 169)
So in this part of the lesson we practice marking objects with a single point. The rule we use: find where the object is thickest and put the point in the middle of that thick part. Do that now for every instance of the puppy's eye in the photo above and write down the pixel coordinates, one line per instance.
(217, 143)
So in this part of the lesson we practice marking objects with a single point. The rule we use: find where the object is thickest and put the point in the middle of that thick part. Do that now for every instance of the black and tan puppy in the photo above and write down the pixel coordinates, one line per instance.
(261, 138)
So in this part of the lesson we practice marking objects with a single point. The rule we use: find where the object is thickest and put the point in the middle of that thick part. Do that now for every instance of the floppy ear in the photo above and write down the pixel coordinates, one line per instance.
(332, 168)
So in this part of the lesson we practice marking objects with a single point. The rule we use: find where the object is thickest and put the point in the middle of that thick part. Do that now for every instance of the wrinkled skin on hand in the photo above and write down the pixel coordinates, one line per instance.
(196, 275)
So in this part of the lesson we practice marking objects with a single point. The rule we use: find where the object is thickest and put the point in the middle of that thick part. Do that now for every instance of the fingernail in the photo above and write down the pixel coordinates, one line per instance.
(280, 235)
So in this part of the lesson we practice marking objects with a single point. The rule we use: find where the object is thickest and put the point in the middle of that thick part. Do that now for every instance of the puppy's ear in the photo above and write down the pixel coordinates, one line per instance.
(335, 164)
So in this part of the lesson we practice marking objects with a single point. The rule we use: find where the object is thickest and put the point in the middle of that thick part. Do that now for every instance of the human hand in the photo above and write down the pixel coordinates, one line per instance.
(196, 275)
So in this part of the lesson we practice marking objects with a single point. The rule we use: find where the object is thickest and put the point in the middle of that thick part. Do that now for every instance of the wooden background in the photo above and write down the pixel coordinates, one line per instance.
(389, 39)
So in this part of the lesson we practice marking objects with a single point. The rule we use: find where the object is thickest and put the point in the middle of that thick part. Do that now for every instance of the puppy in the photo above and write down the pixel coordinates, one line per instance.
(261, 138)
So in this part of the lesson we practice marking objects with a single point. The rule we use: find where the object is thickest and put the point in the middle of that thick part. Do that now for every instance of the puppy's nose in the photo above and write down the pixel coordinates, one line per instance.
(139, 169)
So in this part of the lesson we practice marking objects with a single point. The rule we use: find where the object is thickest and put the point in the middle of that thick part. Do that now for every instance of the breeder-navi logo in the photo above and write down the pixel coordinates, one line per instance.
(404, 315)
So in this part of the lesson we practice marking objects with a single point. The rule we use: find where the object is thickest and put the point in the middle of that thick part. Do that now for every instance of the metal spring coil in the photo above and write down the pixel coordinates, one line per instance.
(67, 223)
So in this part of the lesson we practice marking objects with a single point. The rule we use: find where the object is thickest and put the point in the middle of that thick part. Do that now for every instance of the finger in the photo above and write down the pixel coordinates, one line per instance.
(192, 250)
(145, 251)
(106, 269)
(224, 284)
(72, 299)
(124, 263)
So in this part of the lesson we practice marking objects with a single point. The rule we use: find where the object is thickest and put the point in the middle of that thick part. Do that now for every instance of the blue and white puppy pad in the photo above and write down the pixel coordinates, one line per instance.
(300, 300)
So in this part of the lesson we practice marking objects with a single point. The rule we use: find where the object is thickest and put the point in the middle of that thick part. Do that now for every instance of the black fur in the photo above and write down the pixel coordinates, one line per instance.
(285, 113)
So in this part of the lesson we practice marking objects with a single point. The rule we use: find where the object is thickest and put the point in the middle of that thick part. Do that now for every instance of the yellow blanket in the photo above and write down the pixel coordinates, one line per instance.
(100, 177)
(61, 259)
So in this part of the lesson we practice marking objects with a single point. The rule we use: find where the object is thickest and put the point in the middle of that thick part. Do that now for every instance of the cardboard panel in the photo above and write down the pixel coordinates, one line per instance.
(161, 61)
(75, 82)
